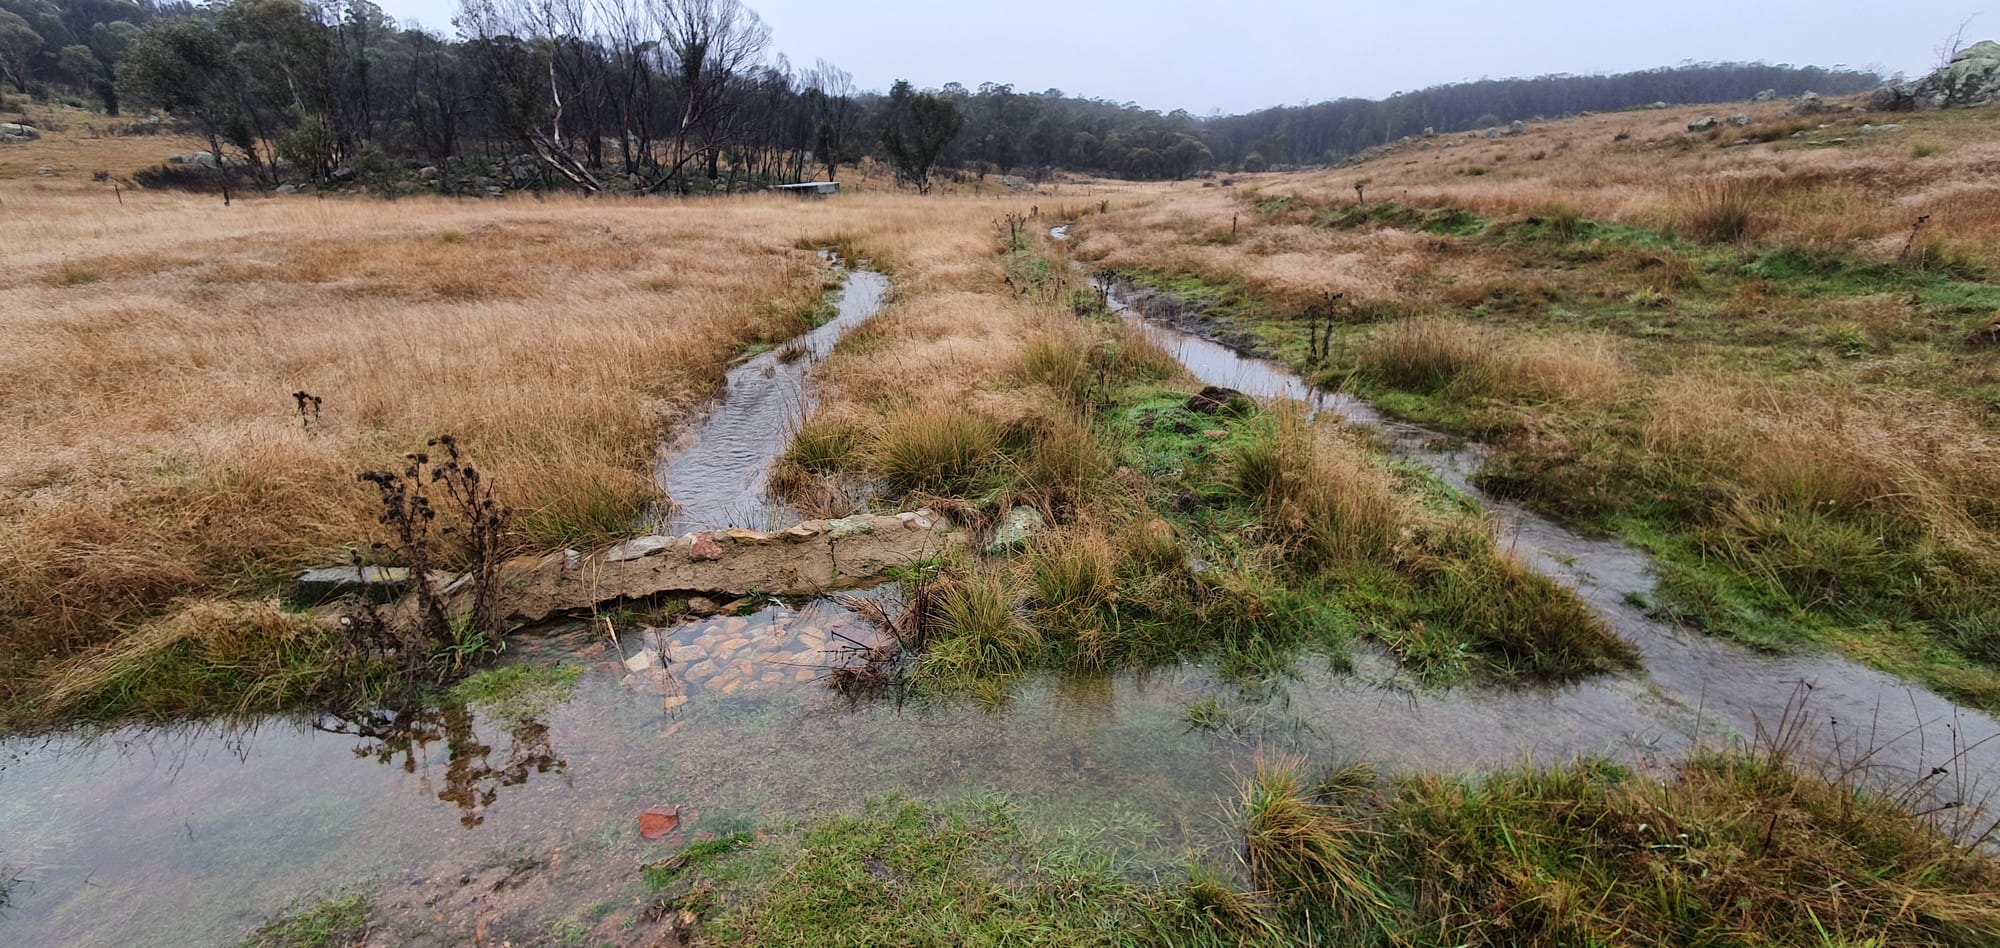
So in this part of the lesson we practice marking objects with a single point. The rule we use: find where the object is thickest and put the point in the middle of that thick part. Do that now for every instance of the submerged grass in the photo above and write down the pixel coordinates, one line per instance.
(335, 922)
(517, 693)
(1732, 847)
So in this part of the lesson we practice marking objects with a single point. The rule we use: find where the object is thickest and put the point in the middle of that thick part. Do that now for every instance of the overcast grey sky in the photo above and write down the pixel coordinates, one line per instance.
(1236, 56)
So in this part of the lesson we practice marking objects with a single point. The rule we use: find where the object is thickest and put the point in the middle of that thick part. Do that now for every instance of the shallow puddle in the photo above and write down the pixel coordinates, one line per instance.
(195, 836)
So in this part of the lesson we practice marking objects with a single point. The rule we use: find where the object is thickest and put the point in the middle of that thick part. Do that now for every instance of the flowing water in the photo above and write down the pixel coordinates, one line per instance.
(716, 477)
(1692, 687)
(464, 822)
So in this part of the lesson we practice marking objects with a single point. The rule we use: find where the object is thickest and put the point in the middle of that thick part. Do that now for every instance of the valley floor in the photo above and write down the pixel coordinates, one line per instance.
(1703, 348)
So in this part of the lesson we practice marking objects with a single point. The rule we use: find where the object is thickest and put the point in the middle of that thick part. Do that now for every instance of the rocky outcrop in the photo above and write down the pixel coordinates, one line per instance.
(1808, 104)
(809, 559)
(16, 132)
(1970, 80)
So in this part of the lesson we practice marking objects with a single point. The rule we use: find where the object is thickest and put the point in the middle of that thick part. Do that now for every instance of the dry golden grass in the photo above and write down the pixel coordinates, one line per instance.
(149, 353)
(1864, 195)
(1430, 354)
(76, 144)
(1814, 448)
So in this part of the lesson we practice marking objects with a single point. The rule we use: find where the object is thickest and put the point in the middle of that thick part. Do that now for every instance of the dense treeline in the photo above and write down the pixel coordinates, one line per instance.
(687, 95)
(1330, 131)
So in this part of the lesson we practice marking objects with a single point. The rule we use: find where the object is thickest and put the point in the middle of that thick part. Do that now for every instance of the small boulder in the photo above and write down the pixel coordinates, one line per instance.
(1657, 106)
(1810, 103)
(17, 132)
(638, 548)
(1015, 530)
(1704, 124)
(659, 821)
(1768, 95)
(1518, 128)
(1739, 120)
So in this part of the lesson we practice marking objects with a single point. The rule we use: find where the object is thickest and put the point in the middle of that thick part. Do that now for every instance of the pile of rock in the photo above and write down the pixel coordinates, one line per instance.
(1970, 80)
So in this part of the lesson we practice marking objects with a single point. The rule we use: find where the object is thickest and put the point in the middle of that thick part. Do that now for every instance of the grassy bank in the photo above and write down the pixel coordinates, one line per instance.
(163, 482)
(1178, 523)
(1799, 428)
(1730, 848)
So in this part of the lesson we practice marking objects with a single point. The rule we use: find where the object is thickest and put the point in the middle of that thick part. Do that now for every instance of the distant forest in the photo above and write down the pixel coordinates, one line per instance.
(682, 96)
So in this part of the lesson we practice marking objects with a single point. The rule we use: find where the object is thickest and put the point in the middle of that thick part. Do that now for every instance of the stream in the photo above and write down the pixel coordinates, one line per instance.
(1692, 688)
(467, 823)
(716, 476)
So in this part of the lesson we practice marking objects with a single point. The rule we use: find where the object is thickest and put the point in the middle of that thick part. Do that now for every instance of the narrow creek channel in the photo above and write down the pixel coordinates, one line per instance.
(1691, 687)
(716, 476)
(193, 835)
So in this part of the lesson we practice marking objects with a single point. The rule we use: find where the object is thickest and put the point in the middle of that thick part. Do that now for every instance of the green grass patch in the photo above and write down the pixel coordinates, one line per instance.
(516, 693)
(334, 922)
(1729, 848)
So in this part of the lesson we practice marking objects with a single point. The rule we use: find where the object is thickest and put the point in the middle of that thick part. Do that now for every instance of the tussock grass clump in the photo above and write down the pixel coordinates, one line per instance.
(334, 922)
(1080, 363)
(1726, 210)
(938, 448)
(1074, 575)
(1063, 462)
(824, 444)
(1306, 855)
(1060, 361)
(1326, 502)
(1152, 546)
(1423, 355)
(1528, 624)
(1804, 449)
(1074, 572)
(1734, 848)
(812, 474)
(1464, 360)
(210, 655)
(979, 630)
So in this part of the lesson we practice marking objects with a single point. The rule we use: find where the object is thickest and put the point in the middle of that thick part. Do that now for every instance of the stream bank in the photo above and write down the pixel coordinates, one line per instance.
(1693, 688)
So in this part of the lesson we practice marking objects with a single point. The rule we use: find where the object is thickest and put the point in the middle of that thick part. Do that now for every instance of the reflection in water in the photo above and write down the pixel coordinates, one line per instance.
(472, 781)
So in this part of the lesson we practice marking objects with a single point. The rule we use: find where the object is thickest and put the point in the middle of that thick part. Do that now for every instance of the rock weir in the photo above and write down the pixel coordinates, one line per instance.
(809, 559)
